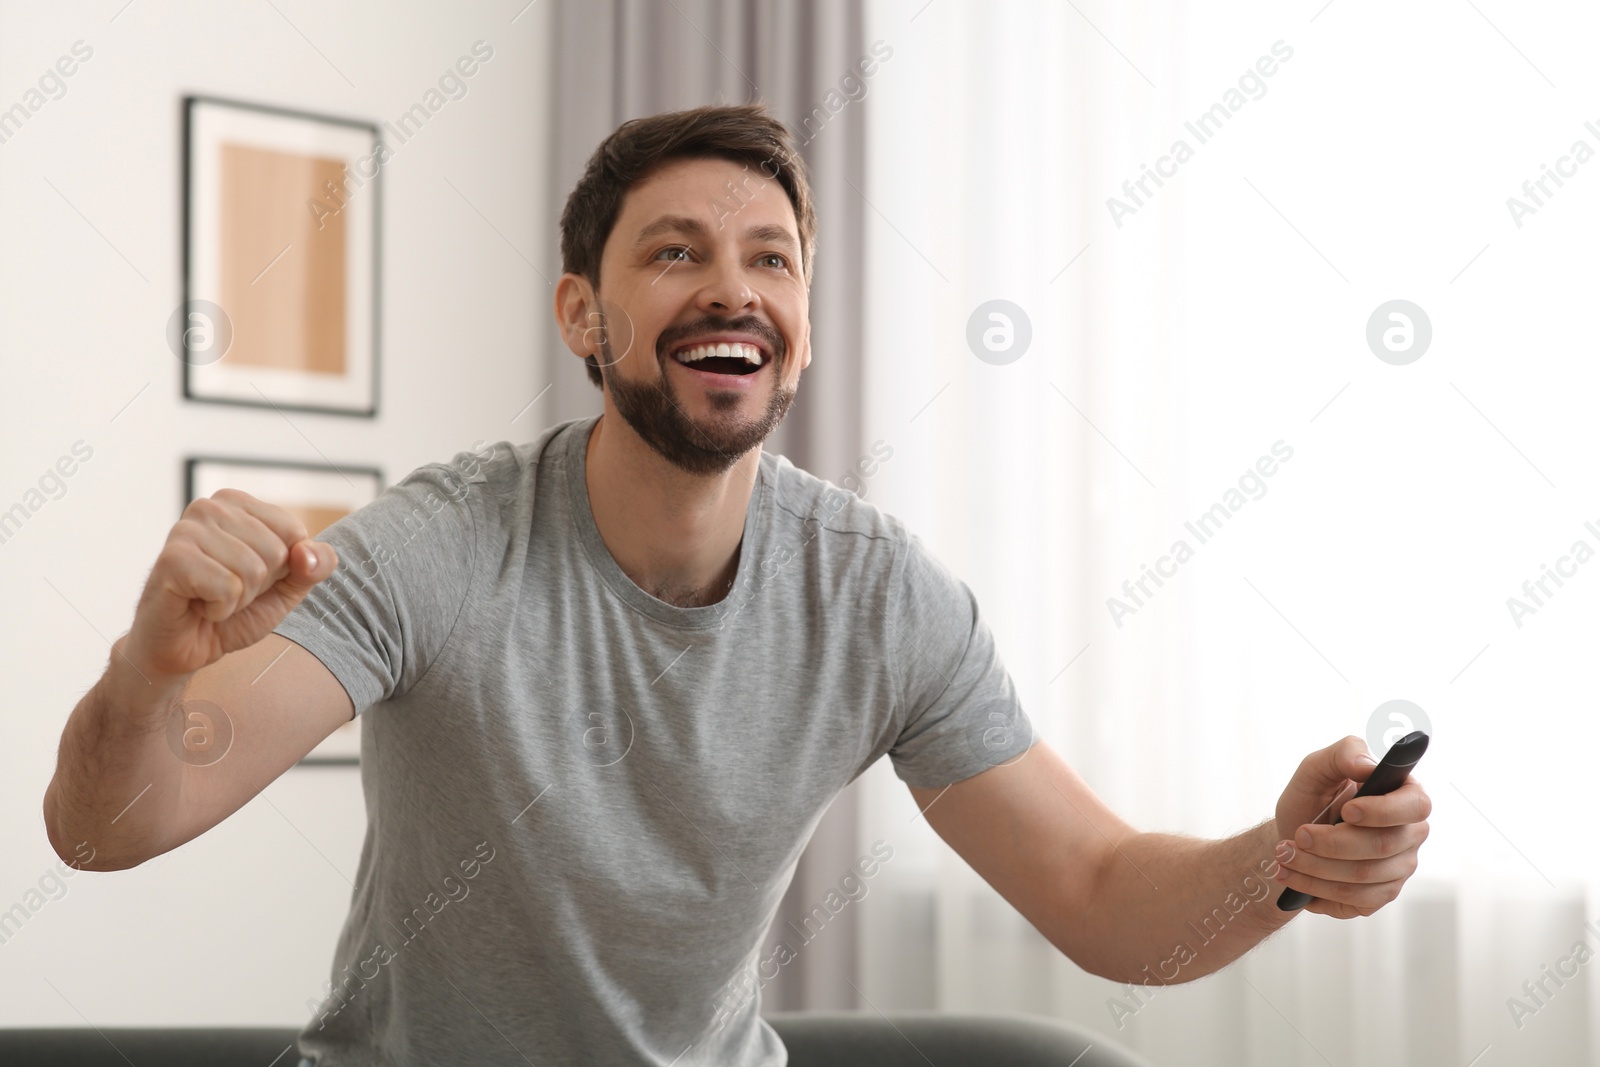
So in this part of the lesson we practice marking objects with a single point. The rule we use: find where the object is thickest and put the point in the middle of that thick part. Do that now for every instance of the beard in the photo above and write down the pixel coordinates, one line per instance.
(657, 415)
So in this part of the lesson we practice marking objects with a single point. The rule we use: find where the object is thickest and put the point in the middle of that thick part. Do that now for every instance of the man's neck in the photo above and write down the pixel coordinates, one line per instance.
(674, 534)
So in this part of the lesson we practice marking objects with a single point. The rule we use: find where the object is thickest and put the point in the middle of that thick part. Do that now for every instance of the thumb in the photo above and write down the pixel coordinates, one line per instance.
(1322, 776)
(1348, 758)
(309, 563)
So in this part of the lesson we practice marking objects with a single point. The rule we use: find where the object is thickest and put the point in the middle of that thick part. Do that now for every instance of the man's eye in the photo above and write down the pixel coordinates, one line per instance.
(674, 249)
(782, 261)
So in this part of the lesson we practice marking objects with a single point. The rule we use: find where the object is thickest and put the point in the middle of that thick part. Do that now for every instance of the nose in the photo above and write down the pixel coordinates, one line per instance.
(728, 293)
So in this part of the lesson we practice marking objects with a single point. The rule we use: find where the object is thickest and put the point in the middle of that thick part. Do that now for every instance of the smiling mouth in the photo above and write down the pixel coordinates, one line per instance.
(722, 358)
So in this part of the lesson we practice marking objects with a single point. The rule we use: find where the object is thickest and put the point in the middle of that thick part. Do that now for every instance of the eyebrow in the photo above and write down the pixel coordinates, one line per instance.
(695, 228)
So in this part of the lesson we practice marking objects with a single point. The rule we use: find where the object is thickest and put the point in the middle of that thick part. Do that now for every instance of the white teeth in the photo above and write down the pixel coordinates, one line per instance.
(748, 353)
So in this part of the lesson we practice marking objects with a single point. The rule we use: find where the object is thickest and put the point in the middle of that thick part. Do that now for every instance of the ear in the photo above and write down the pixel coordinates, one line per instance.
(805, 346)
(575, 304)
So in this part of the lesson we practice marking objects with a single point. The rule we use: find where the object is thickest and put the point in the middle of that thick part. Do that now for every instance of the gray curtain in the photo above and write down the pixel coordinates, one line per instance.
(616, 60)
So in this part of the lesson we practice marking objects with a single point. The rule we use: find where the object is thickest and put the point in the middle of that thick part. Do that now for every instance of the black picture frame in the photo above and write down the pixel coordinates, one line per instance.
(371, 190)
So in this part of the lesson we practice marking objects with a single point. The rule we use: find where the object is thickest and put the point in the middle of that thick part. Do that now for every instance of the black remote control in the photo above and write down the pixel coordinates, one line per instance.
(1390, 774)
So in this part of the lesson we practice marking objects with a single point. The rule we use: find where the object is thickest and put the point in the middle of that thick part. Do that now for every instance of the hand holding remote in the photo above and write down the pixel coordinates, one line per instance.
(1322, 862)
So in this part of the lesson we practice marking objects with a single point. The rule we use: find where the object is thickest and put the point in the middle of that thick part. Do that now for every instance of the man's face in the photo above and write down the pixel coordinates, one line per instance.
(704, 251)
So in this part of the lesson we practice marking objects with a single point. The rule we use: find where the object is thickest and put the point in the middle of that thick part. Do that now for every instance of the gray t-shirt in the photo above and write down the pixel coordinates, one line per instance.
(584, 804)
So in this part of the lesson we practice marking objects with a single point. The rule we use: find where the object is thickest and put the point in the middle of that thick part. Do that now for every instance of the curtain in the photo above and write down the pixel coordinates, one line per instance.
(1180, 332)
(617, 60)
(1177, 336)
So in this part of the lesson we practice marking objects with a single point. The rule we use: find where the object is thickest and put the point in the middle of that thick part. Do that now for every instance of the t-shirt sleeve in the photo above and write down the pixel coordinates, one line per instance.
(959, 712)
(405, 565)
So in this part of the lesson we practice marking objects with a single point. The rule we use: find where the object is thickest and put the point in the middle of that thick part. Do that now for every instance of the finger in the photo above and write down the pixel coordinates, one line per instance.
(216, 526)
(244, 563)
(1355, 872)
(1367, 897)
(1410, 803)
(262, 540)
(194, 575)
(1347, 842)
(1338, 911)
(1330, 810)
(284, 524)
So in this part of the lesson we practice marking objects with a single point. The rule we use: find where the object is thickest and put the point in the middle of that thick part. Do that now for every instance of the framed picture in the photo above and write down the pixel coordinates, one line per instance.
(280, 259)
(320, 495)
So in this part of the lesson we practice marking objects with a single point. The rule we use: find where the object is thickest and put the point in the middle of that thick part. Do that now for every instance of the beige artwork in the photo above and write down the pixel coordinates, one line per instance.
(282, 278)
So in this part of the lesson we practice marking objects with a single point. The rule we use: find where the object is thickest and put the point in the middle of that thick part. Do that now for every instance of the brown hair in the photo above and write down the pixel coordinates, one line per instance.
(742, 133)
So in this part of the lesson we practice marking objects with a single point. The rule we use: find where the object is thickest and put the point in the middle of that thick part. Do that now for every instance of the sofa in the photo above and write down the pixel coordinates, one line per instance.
(814, 1039)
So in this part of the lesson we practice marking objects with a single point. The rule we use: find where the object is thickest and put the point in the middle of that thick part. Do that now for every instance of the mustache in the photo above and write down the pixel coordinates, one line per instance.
(711, 324)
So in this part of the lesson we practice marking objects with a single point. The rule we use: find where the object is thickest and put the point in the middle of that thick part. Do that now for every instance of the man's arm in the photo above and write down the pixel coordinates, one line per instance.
(231, 569)
(1159, 908)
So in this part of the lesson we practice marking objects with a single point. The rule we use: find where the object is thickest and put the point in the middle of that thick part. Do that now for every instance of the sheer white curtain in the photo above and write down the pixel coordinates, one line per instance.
(1175, 342)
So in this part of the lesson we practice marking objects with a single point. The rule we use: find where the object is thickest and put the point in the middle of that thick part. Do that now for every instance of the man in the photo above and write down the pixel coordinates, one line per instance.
(617, 675)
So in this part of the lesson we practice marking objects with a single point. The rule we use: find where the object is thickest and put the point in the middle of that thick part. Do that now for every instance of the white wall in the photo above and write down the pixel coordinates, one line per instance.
(237, 927)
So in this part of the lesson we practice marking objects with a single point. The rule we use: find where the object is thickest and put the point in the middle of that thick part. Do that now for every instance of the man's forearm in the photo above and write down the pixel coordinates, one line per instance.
(1170, 909)
(116, 784)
